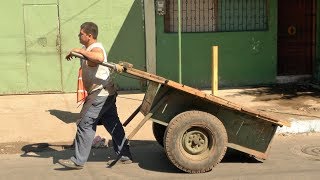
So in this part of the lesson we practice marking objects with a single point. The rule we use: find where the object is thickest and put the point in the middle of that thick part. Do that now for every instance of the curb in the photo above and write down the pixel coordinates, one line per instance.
(301, 126)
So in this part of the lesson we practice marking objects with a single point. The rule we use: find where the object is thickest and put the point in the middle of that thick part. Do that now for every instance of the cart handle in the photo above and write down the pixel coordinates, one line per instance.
(107, 64)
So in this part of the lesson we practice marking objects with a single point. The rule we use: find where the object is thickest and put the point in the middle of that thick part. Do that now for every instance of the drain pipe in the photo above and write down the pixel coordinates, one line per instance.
(179, 34)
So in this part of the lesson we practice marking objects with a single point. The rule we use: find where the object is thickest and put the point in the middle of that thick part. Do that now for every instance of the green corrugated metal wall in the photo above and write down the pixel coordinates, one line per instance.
(12, 49)
(36, 35)
(245, 58)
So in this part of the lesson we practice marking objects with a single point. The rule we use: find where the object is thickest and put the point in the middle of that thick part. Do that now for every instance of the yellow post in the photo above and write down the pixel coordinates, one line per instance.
(215, 70)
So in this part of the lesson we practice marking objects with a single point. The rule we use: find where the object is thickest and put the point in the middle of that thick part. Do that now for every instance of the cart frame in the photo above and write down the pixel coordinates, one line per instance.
(196, 128)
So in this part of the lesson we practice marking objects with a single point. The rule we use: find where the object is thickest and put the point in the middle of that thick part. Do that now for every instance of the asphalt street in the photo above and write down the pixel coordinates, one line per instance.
(291, 157)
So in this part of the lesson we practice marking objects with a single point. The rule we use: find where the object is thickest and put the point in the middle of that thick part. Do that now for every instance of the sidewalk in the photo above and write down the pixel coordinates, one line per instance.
(51, 117)
(300, 106)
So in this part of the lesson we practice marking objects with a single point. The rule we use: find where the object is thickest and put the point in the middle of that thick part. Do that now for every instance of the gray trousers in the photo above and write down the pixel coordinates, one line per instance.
(103, 111)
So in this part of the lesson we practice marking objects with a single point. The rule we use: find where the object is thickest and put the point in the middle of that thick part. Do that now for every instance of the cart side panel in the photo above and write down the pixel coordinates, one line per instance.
(246, 133)
(177, 102)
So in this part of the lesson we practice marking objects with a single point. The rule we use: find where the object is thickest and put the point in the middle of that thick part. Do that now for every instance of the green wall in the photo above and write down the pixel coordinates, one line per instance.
(129, 46)
(121, 30)
(245, 58)
(12, 49)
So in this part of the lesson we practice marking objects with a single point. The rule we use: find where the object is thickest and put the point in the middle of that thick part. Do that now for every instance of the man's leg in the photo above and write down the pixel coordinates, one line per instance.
(85, 133)
(86, 130)
(111, 122)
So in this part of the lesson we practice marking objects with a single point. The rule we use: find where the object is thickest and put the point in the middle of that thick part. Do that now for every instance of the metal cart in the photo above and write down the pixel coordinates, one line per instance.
(196, 128)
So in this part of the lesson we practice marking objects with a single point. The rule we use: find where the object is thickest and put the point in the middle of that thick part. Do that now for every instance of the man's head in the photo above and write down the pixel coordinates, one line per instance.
(88, 33)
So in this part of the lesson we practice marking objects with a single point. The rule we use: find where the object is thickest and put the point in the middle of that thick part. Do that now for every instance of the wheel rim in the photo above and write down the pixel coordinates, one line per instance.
(195, 141)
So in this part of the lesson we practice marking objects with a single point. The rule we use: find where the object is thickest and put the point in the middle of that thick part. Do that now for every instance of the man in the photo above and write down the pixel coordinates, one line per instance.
(99, 106)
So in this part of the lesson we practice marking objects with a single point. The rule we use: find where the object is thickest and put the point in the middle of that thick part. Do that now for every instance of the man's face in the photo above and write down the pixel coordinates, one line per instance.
(84, 37)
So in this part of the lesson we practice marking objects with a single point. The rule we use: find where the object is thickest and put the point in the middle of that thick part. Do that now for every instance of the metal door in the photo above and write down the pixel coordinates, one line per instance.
(296, 36)
(41, 25)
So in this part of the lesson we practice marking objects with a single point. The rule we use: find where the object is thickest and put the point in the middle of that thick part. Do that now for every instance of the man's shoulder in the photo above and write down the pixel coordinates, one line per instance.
(96, 45)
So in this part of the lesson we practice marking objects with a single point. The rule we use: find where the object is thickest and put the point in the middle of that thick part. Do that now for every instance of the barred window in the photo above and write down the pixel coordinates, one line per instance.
(216, 15)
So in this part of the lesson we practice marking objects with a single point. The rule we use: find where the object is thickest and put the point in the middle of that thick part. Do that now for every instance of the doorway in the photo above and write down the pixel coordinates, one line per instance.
(296, 37)
(41, 24)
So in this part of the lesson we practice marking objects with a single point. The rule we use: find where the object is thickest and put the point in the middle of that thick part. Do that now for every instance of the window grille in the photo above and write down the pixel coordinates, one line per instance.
(216, 15)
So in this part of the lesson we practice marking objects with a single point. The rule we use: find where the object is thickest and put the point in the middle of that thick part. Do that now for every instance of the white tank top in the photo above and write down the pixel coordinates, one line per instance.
(97, 77)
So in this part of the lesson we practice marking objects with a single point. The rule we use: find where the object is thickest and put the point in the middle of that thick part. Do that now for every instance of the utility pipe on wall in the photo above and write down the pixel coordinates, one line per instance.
(179, 34)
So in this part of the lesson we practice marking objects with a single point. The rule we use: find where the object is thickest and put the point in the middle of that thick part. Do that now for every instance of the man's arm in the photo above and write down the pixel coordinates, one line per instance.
(95, 56)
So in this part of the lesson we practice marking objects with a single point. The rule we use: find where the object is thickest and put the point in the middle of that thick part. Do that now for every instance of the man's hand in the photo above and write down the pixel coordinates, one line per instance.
(69, 56)
(119, 68)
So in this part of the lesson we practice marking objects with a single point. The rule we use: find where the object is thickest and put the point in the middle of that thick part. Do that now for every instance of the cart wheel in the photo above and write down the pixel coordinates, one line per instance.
(195, 141)
(158, 132)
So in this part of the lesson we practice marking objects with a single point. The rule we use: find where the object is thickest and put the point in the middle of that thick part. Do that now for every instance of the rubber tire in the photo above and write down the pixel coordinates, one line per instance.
(158, 132)
(177, 131)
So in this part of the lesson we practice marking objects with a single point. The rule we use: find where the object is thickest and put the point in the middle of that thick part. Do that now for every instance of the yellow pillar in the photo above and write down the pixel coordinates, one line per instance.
(215, 70)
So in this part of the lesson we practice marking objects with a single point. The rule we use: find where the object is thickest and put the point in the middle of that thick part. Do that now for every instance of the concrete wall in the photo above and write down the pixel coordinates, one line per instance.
(12, 49)
(245, 58)
(121, 31)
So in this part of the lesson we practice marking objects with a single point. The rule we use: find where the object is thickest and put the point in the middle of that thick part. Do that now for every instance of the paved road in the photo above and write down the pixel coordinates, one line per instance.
(286, 161)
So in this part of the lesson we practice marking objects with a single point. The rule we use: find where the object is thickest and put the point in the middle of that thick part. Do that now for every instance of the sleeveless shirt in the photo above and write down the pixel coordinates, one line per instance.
(98, 77)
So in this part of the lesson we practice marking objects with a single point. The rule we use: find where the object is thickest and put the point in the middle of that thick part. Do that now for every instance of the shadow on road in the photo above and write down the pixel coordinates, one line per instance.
(65, 116)
(235, 156)
(148, 155)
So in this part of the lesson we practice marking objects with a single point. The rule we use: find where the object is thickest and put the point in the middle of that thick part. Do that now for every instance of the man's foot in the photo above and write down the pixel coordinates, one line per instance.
(69, 164)
(122, 160)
